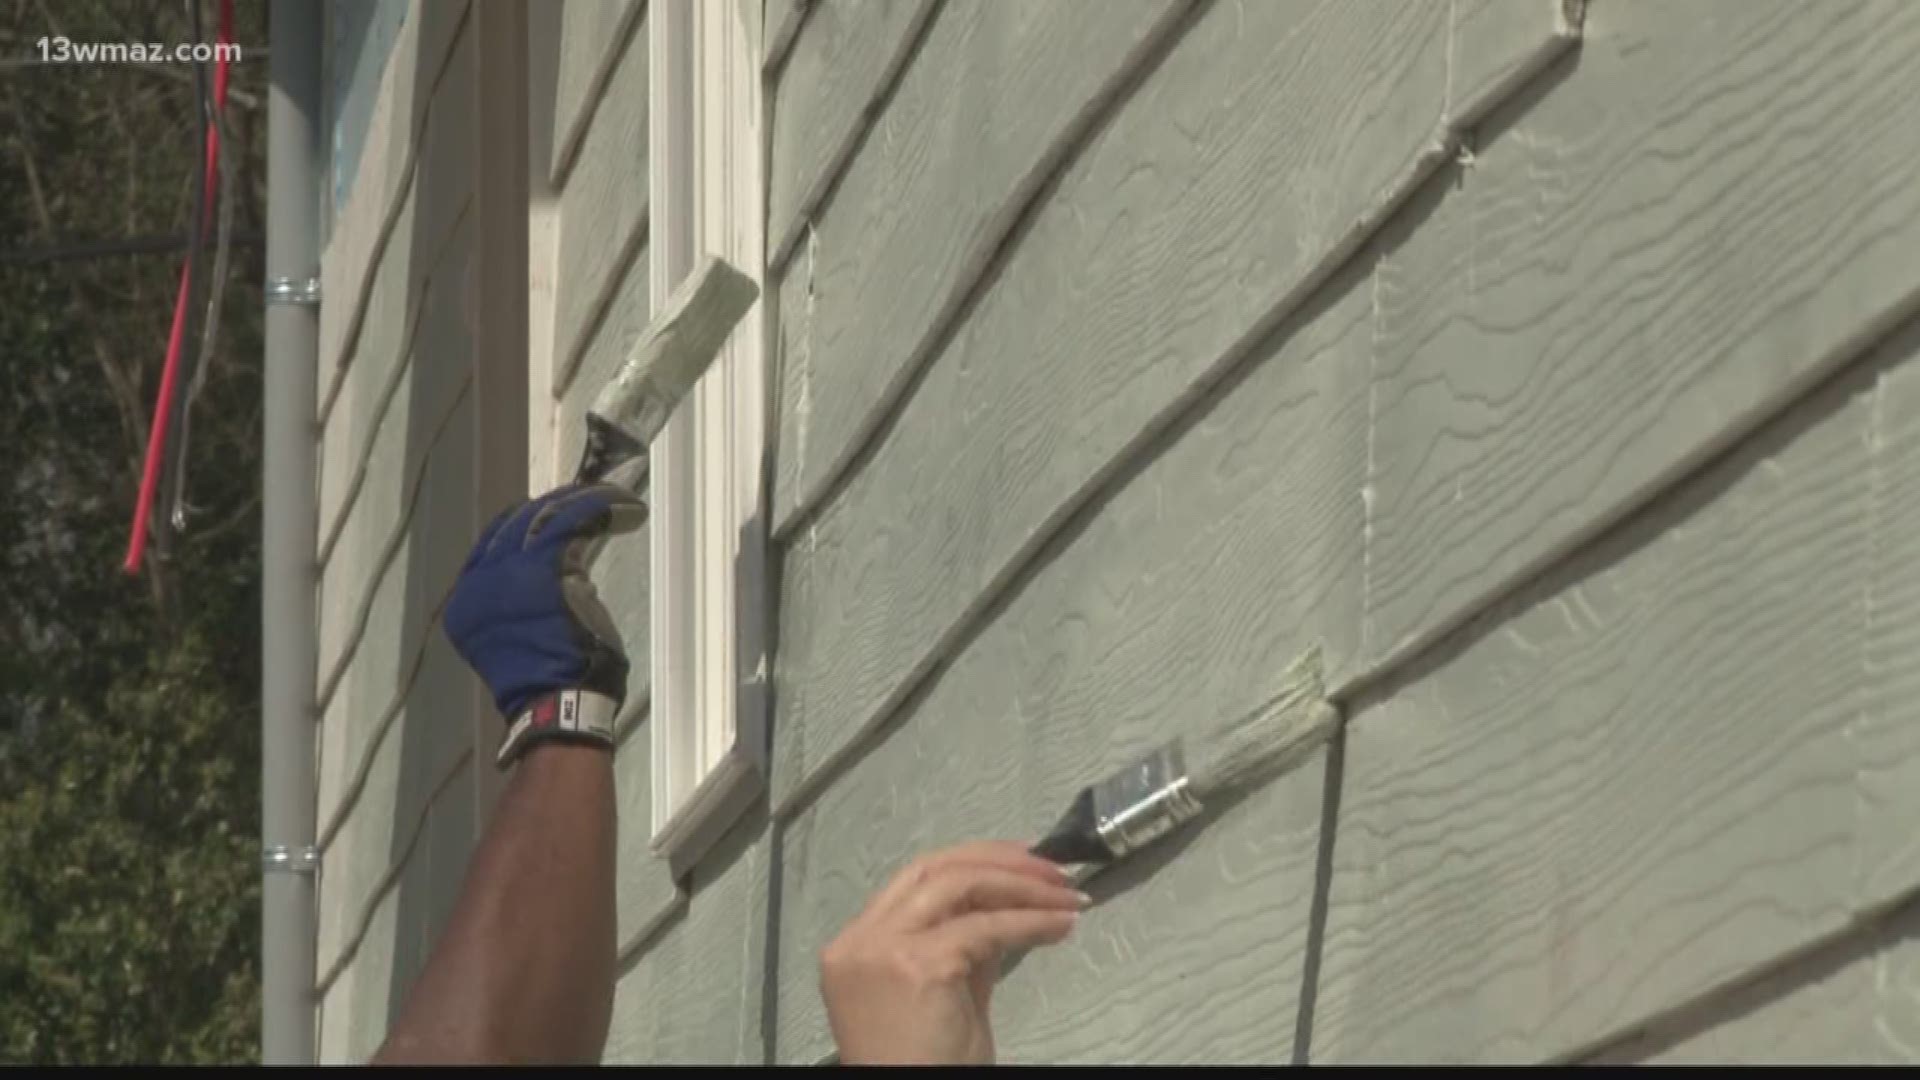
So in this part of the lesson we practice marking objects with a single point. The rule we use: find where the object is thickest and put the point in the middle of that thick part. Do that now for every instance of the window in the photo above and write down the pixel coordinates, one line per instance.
(706, 195)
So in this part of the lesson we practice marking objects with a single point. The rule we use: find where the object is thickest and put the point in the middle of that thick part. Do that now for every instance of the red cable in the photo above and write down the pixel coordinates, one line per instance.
(163, 406)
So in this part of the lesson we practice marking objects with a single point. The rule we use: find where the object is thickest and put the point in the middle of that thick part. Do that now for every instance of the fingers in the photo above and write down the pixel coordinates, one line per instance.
(958, 889)
(910, 979)
(588, 510)
(982, 937)
(506, 531)
(626, 510)
(1005, 855)
(565, 513)
(487, 534)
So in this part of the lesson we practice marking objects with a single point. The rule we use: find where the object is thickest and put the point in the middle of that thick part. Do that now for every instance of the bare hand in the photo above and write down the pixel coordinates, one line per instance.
(909, 981)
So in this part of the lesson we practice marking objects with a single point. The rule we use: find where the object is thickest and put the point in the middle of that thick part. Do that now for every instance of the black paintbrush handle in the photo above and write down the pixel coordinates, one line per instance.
(606, 448)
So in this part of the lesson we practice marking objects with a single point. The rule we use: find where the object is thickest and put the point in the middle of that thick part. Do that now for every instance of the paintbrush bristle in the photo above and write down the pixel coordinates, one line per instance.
(1268, 740)
(677, 349)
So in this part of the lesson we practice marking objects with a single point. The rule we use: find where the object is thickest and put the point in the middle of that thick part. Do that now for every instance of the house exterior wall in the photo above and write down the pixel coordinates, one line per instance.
(412, 424)
(1516, 354)
(1548, 365)
(690, 952)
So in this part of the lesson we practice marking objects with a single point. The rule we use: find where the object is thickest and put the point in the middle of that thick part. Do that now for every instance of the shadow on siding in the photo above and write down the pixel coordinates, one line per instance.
(435, 729)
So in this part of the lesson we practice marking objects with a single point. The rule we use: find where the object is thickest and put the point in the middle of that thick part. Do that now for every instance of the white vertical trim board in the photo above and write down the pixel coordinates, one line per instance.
(544, 469)
(707, 190)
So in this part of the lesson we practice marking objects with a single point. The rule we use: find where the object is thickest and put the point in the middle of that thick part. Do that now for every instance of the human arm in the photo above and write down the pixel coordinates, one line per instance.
(524, 971)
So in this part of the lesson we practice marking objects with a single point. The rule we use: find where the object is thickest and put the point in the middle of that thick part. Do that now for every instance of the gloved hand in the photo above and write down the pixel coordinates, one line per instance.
(525, 616)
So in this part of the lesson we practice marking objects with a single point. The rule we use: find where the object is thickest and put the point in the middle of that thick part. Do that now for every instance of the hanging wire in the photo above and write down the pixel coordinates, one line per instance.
(172, 477)
(164, 401)
(225, 188)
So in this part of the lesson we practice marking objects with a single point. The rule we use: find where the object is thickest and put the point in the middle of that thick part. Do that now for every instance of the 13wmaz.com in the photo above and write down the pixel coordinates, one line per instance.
(62, 50)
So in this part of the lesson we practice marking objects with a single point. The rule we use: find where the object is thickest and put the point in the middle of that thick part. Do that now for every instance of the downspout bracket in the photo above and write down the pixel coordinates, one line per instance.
(285, 859)
(289, 290)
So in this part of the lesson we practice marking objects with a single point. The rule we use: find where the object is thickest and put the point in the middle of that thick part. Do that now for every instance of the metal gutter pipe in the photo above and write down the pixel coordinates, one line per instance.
(289, 512)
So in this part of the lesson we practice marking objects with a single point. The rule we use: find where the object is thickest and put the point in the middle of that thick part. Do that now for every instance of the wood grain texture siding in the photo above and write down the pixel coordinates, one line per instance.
(353, 1011)
(424, 58)
(646, 893)
(344, 430)
(594, 35)
(428, 884)
(366, 428)
(846, 54)
(386, 774)
(346, 613)
(1888, 733)
(364, 708)
(438, 871)
(357, 987)
(694, 995)
(603, 217)
(783, 19)
(394, 723)
(1497, 49)
(1150, 976)
(979, 121)
(1631, 783)
(429, 246)
(1712, 208)
(1858, 1004)
(383, 181)
(1205, 213)
(624, 579)
(366, 589)
(611, 343)
(1178, 604)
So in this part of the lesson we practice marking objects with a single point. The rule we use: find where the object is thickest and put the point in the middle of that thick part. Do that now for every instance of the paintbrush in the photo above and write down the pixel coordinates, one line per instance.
(1186, 777)
(676, 348)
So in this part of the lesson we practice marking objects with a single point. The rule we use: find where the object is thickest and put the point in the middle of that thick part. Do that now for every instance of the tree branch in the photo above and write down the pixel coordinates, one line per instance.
(23, 138)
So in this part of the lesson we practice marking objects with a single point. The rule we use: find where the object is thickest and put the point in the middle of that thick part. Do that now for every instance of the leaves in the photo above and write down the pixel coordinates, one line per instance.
(129, 727)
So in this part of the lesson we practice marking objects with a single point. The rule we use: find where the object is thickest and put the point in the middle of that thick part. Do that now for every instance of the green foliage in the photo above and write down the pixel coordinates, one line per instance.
(128, 871)
(129, 743)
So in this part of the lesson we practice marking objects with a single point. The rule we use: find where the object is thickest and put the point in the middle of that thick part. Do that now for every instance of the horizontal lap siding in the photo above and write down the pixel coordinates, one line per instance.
(1179, 605)
(1683, 753)
(594, 37)
(1888, 733)
(1180, 247)
(1655, 772)
(600, 305)
(1201, 215)
(695, 991)
(828, 88)
(397, 483)
(1630, 783)
(1709, 209)
(1857, 1004)
(600, 281)
(1563, 469)
(978, 123)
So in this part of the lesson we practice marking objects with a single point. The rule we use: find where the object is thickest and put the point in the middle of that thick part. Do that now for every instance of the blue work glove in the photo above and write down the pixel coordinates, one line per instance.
(525, 616)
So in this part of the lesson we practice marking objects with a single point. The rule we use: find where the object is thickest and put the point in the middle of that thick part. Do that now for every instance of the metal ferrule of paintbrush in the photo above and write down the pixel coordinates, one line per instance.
(1145, 801)
(1178, 781)
(1125, 812)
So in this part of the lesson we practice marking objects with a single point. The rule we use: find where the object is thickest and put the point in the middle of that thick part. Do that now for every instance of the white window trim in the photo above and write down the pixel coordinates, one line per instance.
(706, 195)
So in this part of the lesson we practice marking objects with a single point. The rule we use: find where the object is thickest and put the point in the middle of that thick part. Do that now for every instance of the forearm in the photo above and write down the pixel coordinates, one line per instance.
(525, 970)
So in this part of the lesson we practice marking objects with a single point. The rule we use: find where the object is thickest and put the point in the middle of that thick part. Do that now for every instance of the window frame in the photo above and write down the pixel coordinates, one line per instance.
(708, 555)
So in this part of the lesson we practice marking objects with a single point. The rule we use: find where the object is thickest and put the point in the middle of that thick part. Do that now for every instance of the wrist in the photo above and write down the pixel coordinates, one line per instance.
(577, 718)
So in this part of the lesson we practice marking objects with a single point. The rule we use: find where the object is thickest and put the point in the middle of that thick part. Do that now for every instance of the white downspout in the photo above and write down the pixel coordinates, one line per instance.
(288, 571)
